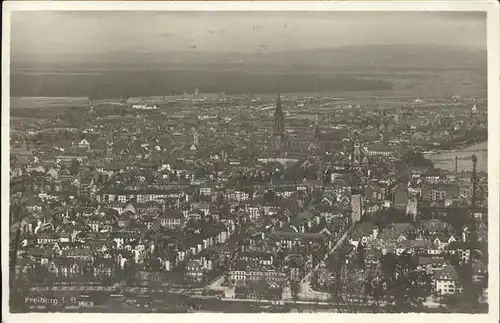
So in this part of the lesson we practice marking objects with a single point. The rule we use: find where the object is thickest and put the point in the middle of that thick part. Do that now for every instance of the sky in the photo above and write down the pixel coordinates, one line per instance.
(100, 32)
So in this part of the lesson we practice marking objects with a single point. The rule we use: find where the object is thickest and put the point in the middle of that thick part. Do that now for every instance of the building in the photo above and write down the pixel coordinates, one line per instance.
(446, 281)
(195, 271)
(84, 143)
(357, 207)
(244, 273)
(256, 257)
(279, 125)
(356, 155)
(401, 197)
(411, 208)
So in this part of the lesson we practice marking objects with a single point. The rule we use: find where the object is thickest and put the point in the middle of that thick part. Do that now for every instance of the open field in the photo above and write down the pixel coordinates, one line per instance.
(166, 82)
(171, 82)
(47, 102)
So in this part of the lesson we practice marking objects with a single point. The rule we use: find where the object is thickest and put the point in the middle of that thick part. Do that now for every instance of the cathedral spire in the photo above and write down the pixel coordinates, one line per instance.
(278, 100)
(279, 122)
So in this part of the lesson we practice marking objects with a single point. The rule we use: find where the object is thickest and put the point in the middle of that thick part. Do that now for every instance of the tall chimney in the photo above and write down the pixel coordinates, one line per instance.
(473, 202)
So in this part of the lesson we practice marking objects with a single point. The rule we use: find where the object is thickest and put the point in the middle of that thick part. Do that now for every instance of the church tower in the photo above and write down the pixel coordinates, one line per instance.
(196, 137)
(279, 118)
(317, 131)
(26, 143)
(279, 125)
(357, 152)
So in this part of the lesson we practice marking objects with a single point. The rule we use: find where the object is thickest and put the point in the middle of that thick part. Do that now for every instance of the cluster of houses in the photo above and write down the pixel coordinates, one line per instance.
(81, 221)
(126, 202)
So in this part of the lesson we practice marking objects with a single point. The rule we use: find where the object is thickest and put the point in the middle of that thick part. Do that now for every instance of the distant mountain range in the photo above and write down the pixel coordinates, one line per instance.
(375, 56)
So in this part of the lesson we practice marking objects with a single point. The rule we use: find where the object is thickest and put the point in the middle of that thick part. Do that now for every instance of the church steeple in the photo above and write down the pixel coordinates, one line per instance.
(279, 122)
(317, 131)
(357, 152)
(279, 125)
(195, 137)
(278, 100)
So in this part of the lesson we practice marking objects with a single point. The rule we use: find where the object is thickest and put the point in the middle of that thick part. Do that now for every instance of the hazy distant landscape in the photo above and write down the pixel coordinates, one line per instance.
(348, 68)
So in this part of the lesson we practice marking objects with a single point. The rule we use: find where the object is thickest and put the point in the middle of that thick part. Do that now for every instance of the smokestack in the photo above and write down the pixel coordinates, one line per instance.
(473, 202)
(456, 164)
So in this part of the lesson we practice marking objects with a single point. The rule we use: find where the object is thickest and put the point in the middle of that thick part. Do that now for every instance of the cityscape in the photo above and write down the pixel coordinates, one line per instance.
(295, 177)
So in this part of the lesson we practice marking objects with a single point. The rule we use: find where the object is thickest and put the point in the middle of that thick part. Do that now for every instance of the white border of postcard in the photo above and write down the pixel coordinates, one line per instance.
(493, 39)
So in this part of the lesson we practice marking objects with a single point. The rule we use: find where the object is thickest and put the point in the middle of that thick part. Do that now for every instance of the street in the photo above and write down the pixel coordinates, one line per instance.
(306, 292)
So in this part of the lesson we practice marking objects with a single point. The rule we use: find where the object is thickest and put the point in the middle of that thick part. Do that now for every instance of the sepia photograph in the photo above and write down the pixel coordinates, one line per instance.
(250, 158)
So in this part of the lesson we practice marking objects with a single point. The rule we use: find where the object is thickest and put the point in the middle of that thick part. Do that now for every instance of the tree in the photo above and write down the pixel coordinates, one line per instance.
(389, 264)
(269, 196)
(408, 292)
(74, 166)
(360, 256)
(334, 288)
(107, 281)
(348, 291)
(41, 273)
(416, 159)
(377, 290)
(260, 287)
(314, 279)
(462, 303)
(295, 289)
(130, 273)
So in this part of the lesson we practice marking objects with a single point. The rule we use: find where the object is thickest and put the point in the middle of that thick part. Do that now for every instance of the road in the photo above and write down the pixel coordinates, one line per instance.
(196, 294)
(112, 289)
(306, 292)
(431, 303)
(216, 285)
